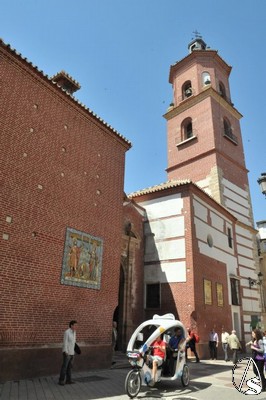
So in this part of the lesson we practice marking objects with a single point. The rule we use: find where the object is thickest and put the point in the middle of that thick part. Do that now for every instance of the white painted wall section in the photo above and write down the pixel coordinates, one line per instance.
(165, 272)
(243, 232)
(164, 206)
(235, 188)
(165, 250)
(237, 207)
(217, 222)
(200, 211)
(165, 228)
(238, 199)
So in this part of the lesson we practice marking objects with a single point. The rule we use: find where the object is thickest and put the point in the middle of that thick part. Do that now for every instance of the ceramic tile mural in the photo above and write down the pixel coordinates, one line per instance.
(82, 261)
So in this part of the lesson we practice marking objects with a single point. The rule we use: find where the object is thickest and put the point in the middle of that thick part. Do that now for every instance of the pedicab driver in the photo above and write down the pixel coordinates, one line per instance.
(159, 349)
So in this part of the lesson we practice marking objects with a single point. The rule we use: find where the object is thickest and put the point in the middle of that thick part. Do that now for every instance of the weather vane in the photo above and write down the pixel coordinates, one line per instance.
(197, 34)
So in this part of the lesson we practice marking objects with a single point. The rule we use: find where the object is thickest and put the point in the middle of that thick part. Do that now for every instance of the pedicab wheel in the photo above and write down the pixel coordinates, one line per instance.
(133, 383)
(185, 376)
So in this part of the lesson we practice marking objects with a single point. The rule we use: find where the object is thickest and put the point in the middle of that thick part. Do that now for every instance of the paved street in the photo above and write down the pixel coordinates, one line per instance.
(209, 380)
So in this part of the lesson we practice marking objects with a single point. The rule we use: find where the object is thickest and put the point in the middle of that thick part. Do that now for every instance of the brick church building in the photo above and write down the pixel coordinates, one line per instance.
(74, 246)
(200, 252)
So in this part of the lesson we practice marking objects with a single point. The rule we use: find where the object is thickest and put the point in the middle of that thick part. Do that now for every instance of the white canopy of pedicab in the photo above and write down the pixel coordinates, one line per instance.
(163, 323)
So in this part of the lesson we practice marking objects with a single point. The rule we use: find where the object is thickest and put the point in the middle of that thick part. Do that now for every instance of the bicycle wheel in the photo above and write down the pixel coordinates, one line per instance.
(185, 376)
(133, 383)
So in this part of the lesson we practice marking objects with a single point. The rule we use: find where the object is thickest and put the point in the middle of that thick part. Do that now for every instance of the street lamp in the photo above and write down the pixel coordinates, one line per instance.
(253, 282)
(262, 183)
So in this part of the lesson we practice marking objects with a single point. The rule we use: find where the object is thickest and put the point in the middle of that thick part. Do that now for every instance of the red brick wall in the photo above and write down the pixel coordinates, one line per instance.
(49, 140)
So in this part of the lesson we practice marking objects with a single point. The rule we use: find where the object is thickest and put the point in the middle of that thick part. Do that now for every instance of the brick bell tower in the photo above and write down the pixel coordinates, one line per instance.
(203, 129)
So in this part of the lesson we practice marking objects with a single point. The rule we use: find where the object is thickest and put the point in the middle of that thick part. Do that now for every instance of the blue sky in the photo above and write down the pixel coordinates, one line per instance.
(120, 51)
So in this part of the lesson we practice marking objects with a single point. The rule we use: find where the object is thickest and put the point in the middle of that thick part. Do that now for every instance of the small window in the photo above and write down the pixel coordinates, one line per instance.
(227, 127)
(187, 129)
(206, 79)
(210, 240)
(186, 90)
(230, 239)
(153, 295)
(235, 291)
(228, 132)
(222, 90)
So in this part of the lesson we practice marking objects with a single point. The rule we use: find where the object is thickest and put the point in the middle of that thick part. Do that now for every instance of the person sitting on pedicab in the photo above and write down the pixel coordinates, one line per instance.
(159, 350)
(174, 346)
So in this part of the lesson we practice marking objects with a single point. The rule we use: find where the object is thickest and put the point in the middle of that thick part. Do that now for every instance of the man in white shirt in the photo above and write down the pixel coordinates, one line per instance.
(224, 340)
(213, 344)
(68, 353)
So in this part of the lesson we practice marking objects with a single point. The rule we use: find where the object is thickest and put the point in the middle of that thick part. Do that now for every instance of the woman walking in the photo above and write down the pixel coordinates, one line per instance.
(257, 348)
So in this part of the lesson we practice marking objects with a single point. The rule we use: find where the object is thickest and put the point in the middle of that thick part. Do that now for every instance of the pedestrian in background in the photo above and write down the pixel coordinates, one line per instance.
(224, 340)
(114, 339)
(191, 344)
(68, 353)
(234, 345)
(213, 344)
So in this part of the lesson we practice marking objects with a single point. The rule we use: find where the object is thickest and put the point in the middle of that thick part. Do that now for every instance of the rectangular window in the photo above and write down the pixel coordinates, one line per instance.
(153, 295)
(230, 239)
(235, 291)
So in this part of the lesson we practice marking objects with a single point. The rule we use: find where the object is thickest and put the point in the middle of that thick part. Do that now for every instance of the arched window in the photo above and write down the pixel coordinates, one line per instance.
(187, 129)
(227, 128)
(186, 90)
(222, 90)
(228, 131)
(206, 79)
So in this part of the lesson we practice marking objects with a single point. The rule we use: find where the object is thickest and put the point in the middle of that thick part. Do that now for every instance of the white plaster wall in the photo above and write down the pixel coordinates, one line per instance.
(200, 210)
(246, 262)
(246, 273)
(164, 240)
(244, 251)
(247, 327)
(251, 293)
(239, 199)
(243, 232)
(166, 228)
(234, 188)
(250, 305)
(217, 222)
(220, 239)
(237, 207)
(165, 272)
(240, 217)
(165, 250)
(244, 242)
(163, 207)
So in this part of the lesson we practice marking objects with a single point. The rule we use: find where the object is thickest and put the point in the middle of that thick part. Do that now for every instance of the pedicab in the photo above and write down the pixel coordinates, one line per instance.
(140, 346)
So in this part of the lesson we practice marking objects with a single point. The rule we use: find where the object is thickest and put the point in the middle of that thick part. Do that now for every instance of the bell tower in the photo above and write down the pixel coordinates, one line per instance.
(203, 130)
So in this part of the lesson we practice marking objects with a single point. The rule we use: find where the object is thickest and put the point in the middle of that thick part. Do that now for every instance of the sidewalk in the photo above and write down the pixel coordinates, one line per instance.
(109, 383)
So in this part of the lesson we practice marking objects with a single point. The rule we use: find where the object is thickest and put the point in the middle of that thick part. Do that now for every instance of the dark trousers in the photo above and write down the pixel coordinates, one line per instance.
(235, 357)
(260, 365)
(213, 350)
(192, 348)
(66, 368)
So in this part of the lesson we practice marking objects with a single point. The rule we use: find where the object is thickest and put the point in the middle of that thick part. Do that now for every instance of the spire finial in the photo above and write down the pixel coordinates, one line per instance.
(197, 35)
